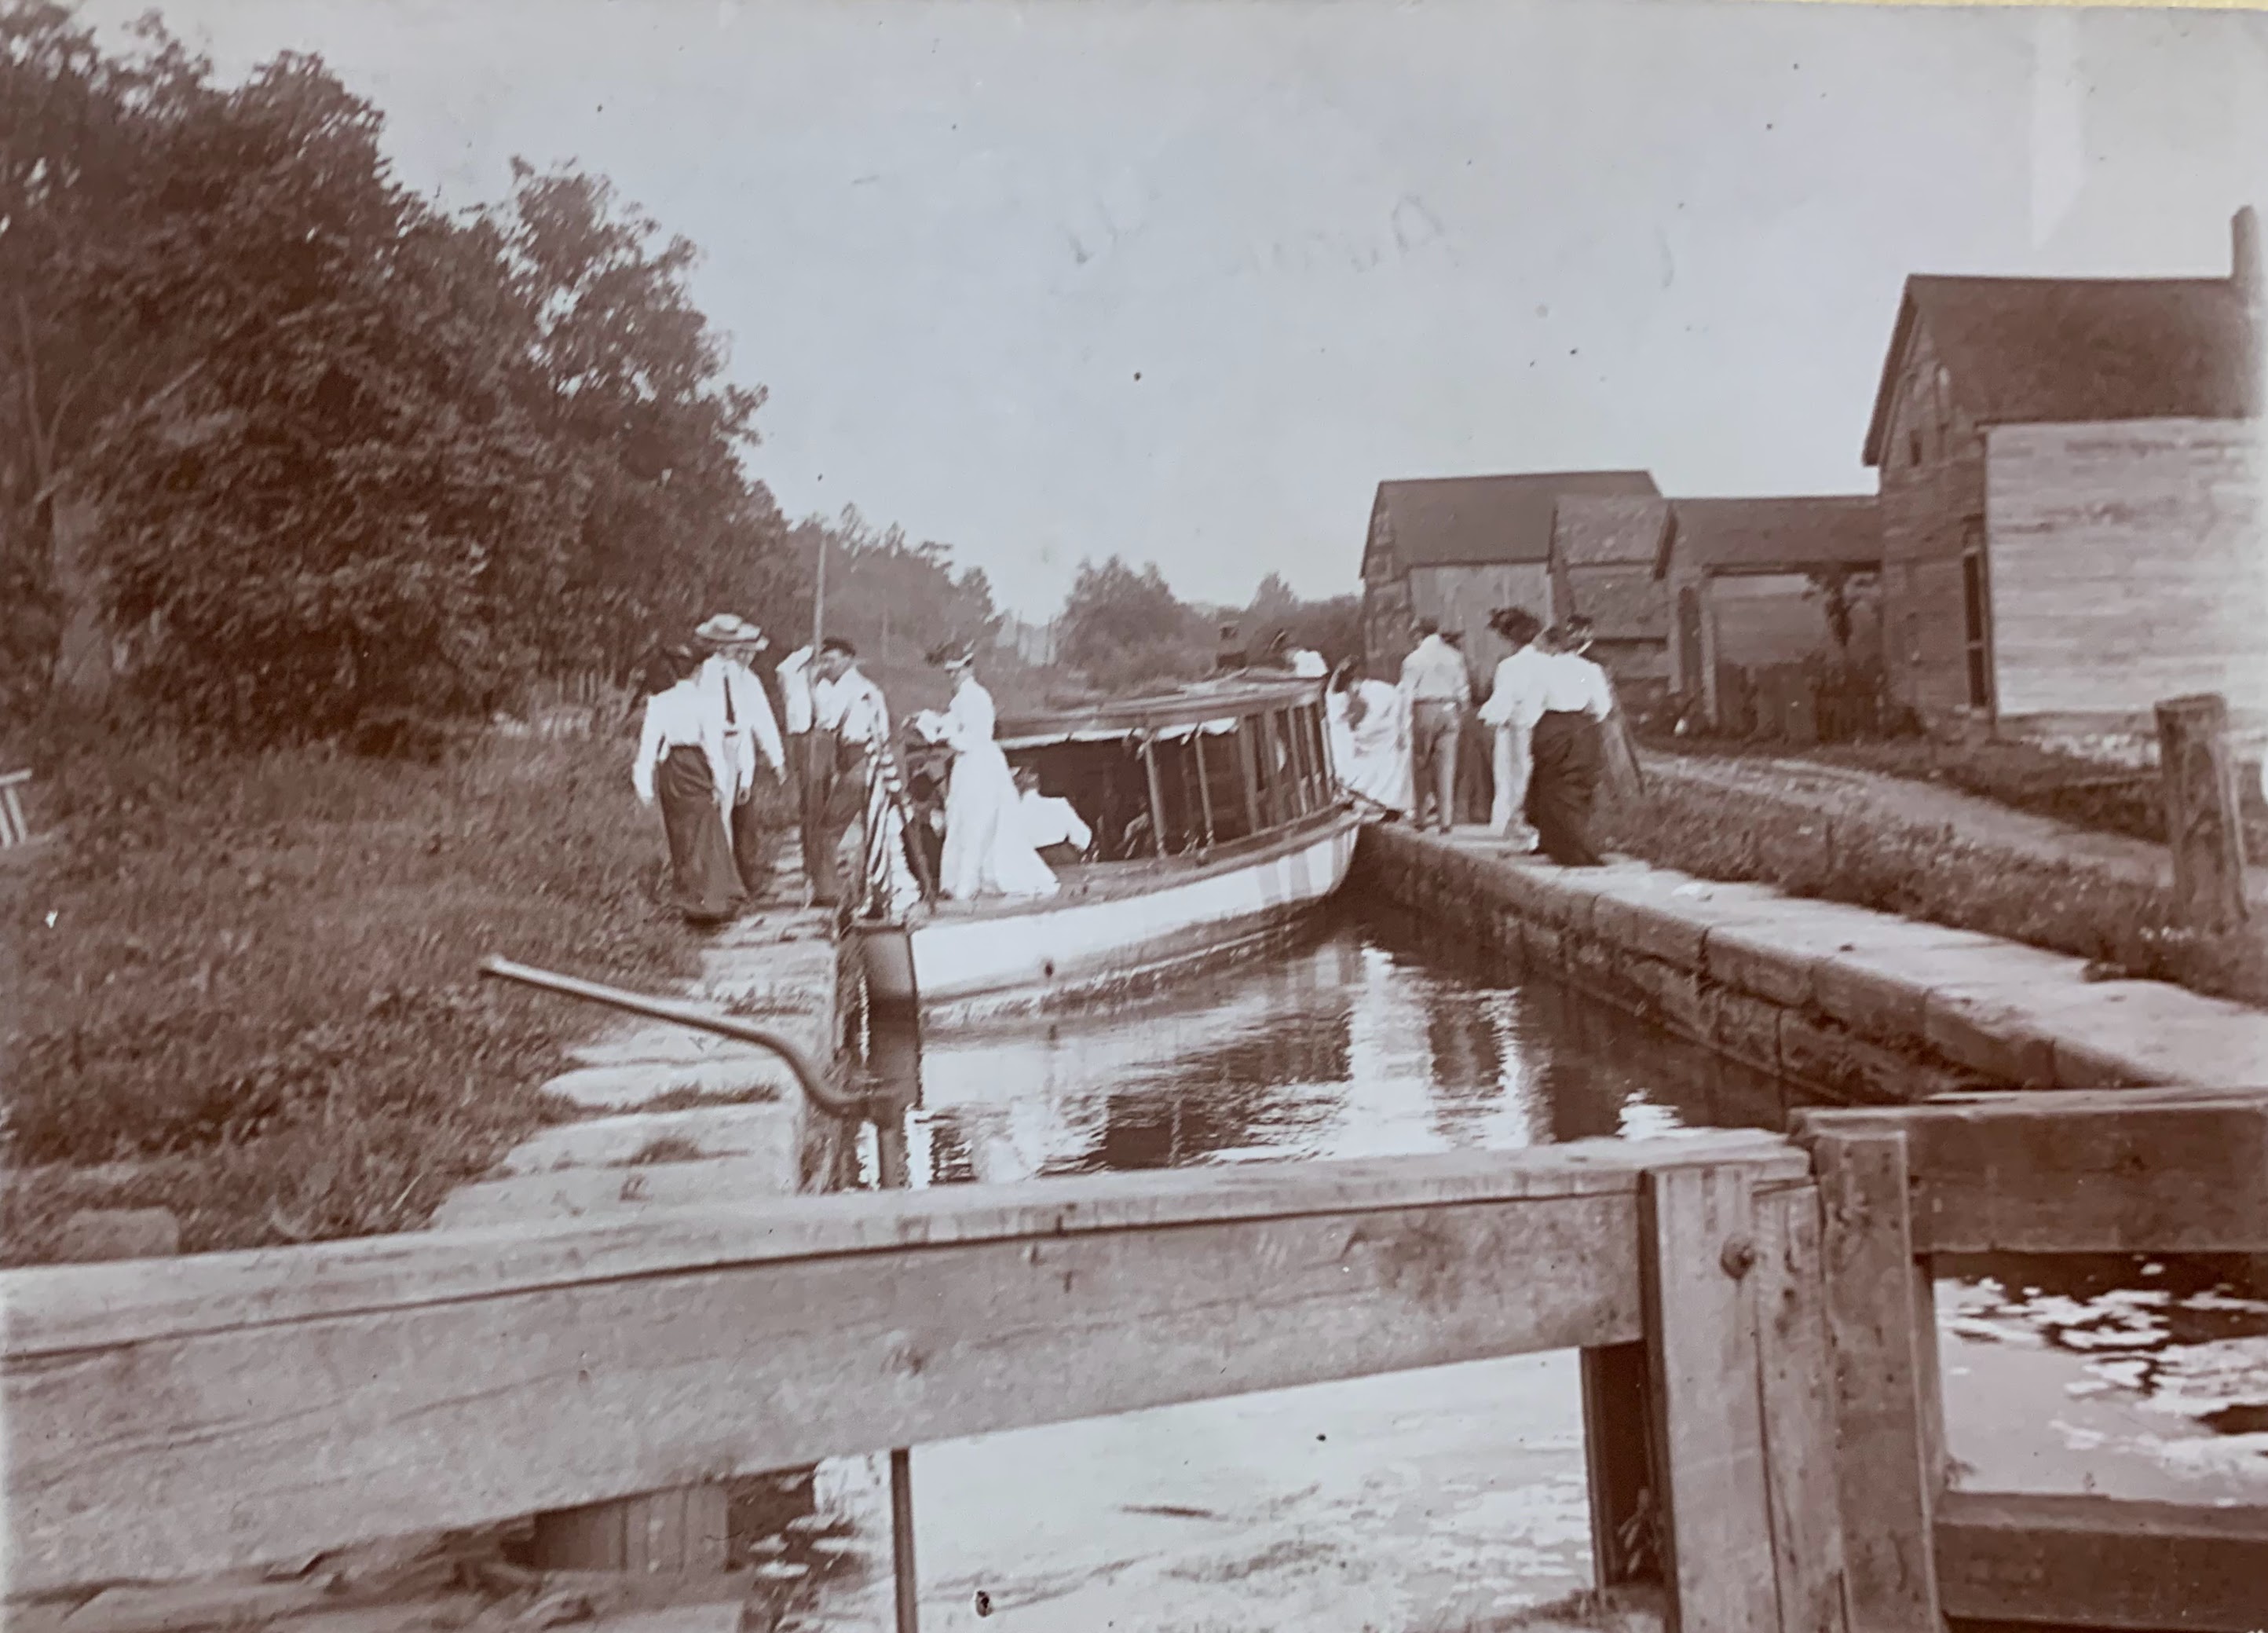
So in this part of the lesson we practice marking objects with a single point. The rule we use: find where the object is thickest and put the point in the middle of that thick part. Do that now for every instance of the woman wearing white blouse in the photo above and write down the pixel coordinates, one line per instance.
(986, 851)
(1569, 754)
(681, 764)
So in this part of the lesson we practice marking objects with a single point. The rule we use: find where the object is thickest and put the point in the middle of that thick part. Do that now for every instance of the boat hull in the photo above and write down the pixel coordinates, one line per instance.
(1069, 950)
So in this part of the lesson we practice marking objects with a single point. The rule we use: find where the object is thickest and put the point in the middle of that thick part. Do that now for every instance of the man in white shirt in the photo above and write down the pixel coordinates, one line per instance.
(681, 764)
(811, 753)
(1516, 704)
(1438, 689)
(1052, 825)
(1568, 754)
(850, 716)
(737, 696)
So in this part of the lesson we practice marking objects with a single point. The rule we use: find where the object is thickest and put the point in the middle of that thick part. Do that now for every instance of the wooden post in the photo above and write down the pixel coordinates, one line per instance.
(1697, 1242)
(1157, 797)
(1797, 1383)
(1248, 759)
(1204, 783)
(1888, 1484)
(2204, 821)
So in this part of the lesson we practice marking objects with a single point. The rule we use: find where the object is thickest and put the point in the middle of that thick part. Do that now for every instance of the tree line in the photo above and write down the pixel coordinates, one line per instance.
(285, 446)
(289, 444)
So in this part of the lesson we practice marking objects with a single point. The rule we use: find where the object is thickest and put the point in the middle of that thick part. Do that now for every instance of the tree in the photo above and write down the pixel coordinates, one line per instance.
(1123, 628)
(350, 454)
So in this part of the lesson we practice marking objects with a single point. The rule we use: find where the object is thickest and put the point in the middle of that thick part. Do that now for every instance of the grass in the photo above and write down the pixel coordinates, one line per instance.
(2021, 776)
(246, 982)
(2124, 929)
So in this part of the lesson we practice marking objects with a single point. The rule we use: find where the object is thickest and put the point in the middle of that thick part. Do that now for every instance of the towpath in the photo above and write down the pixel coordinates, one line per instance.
(1851, 792)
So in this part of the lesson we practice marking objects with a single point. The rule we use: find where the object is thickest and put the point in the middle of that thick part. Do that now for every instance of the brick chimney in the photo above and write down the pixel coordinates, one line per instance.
(2244, 260)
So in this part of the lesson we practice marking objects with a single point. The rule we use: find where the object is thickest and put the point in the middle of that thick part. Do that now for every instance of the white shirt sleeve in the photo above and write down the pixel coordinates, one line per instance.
(649, 751)
(795, 690)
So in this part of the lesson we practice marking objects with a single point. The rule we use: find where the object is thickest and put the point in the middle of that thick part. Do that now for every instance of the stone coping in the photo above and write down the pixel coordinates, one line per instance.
(1700, 954)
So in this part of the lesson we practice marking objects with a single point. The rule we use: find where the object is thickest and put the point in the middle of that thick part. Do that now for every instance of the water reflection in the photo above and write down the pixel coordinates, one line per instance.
(1458, 1493)
(1365, 1040)
(1350, 1044)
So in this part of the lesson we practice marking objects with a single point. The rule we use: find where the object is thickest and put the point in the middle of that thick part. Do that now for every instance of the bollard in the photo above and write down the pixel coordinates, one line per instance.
(2204, 825)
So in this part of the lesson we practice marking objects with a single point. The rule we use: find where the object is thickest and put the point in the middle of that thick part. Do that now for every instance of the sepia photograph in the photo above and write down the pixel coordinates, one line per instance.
(1133, 816)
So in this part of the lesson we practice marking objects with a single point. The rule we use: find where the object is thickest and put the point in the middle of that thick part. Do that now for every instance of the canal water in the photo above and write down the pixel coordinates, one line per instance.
(1450, 1498)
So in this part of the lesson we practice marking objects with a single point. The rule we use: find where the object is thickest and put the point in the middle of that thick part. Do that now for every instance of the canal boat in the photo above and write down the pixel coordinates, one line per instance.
(1218, 822)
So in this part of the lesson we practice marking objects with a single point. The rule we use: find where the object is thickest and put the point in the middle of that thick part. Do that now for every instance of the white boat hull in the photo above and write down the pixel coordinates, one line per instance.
(1030, 956)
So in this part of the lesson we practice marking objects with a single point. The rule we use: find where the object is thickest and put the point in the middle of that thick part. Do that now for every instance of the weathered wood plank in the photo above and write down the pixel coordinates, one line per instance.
(2081, 1172)
(1866, 1254)
(1697, 1225)
(2099, 1562)
(379, 1421)
(1797, 1384)
(49, 1309)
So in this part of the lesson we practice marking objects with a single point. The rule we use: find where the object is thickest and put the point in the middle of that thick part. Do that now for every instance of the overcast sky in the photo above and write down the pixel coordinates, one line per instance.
(1183, 281)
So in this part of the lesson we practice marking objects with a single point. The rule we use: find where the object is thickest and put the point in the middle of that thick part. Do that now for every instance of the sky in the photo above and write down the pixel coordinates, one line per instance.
(1182, 280)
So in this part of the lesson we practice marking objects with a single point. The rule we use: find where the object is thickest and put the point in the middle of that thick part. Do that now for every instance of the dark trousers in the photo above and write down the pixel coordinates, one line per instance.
(1569, 759)
(704, 884)
(811, 756)
(1435, 730)
(749, 848)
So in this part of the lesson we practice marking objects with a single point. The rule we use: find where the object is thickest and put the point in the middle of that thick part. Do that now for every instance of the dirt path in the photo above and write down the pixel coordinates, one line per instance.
(1840, 791)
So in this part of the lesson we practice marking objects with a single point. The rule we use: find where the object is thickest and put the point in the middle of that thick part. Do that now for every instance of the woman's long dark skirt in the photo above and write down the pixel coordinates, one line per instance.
(706, 886)
(1569, 759)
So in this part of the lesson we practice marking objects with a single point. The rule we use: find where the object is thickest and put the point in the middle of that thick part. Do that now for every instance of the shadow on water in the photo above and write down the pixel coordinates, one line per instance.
(1368, 1036)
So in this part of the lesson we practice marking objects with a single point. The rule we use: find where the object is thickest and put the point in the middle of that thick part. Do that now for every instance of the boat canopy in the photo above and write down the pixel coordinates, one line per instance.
(1214, 707)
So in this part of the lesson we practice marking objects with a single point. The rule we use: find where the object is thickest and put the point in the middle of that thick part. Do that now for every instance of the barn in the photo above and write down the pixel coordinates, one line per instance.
(1453, 549)
(2071, 494)
(1752, 585)
(1603, 553)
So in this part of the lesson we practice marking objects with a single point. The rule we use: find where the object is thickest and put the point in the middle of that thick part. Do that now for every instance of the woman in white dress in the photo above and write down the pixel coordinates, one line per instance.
(1377, 766)
(986, 851)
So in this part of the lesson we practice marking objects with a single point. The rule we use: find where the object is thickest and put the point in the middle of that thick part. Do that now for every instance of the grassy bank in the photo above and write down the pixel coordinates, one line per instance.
(2018, 775)
(2125, 929)
(247, 987)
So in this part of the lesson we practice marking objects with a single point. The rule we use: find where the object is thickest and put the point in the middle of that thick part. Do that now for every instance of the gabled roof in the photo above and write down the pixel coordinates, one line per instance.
(1623, 604)
(2061, 349)
(1792, 535)
(1454, 519)
(1590, 530)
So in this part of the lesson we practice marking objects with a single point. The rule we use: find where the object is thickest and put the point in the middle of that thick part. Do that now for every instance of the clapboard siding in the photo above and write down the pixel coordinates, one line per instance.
(2126, 564)
(1461, 597)
(1926, 503)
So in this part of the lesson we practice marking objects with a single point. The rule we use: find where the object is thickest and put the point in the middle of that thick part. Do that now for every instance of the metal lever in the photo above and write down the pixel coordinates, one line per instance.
(813, 1083)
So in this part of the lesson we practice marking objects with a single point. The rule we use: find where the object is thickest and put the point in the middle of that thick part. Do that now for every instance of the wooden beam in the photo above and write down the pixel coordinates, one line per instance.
(421, 1383)
(1697, 1244)
(1886, 1498)
(2100, 1563)
(1797, 1384)
(2097, 1171)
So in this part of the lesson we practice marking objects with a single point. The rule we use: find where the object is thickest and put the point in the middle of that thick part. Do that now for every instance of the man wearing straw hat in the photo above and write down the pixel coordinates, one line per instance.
(737, 696)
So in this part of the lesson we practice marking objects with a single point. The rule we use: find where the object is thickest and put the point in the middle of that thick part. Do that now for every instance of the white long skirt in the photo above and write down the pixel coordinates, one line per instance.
(986, 852)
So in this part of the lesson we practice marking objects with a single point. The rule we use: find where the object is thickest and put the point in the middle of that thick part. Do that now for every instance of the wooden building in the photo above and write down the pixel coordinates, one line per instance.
(1748, 584)
(1454, 549)
(2071, 492)
(1603, 553)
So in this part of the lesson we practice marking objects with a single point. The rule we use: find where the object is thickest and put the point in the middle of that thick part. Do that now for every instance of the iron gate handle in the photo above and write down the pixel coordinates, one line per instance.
(813, 1083)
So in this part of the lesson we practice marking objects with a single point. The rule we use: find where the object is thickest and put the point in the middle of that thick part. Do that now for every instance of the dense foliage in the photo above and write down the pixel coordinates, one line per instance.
(314, 449)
